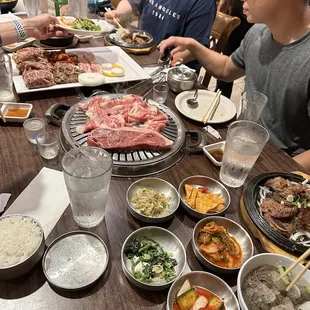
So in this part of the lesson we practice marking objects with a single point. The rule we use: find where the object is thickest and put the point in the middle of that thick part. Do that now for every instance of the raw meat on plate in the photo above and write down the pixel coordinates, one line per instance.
(38, 78)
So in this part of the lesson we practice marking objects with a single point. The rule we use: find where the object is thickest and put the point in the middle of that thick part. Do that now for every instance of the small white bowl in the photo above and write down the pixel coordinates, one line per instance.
(211, 147)
(265, 259)
(6, 106)
(84, 39)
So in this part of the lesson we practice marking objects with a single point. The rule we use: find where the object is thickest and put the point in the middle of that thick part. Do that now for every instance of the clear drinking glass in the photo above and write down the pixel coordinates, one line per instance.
(33, 127)
(48, 144)
(78, 8)
(244, 142)
(6, 78)
(87, 172)
(252, 104)
(32, 7)
(160, 93)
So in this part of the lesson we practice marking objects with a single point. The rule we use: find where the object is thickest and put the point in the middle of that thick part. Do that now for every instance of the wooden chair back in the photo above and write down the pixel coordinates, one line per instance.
(222, 28)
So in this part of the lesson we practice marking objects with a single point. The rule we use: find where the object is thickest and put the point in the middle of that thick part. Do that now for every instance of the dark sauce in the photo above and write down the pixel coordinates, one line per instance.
(217, 154)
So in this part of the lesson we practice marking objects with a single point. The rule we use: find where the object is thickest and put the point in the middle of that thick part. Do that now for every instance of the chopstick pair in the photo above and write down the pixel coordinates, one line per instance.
(212, 108)
(118, 24)
(301, 273)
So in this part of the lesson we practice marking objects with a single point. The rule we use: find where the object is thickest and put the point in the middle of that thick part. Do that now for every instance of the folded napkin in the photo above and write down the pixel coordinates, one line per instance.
(45, 199)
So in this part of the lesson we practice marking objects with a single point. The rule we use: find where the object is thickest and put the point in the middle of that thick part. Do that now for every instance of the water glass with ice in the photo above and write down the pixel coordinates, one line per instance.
(33, 127)
(251, 106)
(32, 7)
(160, 93)
(6, 78)
(48, 144)
(244, 142)
(87, 172)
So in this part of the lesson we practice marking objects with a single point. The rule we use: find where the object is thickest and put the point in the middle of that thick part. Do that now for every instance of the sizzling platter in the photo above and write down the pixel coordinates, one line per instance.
(130, 39)
(260, 215)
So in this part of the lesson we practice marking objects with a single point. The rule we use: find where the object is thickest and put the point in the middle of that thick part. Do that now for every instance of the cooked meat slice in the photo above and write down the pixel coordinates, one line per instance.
(275, 196)
(277, 210)
(285, 229)
(34, 65)
(38, 78)
(303, 219)
(284, 187)
(28, 53)
(65, 73)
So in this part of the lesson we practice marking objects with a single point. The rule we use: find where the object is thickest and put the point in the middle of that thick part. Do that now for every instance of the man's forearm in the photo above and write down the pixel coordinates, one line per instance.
(213, 62)
(124, 10)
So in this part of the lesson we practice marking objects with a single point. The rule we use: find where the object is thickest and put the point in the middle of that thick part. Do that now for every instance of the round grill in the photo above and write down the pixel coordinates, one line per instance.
(130, 163)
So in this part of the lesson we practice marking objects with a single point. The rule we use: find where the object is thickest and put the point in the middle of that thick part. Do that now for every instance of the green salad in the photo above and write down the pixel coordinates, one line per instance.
(149, 261)
(85, 24)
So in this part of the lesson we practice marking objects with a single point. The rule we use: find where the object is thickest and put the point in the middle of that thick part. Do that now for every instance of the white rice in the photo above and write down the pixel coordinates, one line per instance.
(20, 237)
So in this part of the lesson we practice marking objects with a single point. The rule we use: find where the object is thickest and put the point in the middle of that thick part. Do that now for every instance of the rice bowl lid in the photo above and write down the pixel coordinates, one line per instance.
(75, 260)
(37, 245)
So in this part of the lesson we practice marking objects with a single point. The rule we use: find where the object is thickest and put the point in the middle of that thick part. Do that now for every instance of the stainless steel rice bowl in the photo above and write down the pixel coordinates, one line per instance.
(23, 266)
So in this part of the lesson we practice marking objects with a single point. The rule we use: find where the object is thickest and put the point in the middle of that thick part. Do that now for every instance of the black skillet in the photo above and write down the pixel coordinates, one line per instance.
(251, 196)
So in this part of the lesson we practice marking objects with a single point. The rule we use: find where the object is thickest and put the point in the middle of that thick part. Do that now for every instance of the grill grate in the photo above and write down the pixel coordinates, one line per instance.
(134, 159)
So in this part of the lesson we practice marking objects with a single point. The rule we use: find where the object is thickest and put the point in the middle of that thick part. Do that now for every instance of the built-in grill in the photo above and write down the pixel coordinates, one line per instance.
(134, 163)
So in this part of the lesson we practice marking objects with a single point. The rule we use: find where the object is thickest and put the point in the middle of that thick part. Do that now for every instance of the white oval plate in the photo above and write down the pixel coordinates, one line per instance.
(105, 27)
(225, 111)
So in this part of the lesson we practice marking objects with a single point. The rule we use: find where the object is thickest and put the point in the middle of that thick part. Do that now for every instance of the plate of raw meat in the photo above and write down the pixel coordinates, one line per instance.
(37, 70)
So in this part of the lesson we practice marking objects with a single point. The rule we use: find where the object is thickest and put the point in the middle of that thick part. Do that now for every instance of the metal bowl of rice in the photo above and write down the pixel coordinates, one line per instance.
(22, 245)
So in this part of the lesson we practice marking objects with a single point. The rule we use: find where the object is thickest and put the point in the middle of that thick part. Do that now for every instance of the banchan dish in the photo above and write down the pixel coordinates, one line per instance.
(251, 197)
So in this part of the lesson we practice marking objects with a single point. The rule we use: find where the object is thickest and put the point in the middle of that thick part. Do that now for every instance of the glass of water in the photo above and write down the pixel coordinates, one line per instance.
(48, 144)
(251, 106)
(32, 7)
(87, 172)
(244, 142)
(33, 127)
(160, 93)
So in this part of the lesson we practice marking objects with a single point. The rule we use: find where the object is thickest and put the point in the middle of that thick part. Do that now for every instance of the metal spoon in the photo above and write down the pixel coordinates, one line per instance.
(192, 102)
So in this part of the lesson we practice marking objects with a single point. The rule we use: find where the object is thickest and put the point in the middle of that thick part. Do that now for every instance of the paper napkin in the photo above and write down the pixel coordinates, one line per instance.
(45, 199)
(4, 198)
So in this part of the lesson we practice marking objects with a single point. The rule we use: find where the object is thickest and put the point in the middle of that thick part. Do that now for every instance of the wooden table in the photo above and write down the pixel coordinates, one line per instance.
(20, 163)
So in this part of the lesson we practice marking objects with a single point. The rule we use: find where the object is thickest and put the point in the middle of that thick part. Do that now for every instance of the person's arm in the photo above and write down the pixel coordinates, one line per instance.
(303, 159)
(218, 65)
(40, 27)
(198, 25)
(122, 12)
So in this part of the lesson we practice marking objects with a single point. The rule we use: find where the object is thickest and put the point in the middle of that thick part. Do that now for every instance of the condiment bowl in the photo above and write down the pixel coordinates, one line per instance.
(25, 265)
(208, 151)
(266, 259)
(170, 243)
(208, 281)
(213, 187)
(233, 229)
(163, 187)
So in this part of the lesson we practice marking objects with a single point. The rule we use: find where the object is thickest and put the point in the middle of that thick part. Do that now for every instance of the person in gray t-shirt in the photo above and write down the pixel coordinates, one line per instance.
(275, 57)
